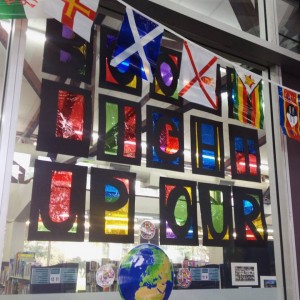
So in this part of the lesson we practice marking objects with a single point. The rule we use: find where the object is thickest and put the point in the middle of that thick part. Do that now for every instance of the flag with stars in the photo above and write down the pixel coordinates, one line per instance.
(245, 97)
(78, 15)
(289, 112)
(138, 45)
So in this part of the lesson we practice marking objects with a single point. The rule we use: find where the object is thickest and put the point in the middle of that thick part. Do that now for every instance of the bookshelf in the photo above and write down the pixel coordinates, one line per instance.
(15, 274)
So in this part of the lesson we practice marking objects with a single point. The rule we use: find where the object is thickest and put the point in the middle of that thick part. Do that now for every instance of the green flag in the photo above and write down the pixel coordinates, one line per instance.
(22, 9)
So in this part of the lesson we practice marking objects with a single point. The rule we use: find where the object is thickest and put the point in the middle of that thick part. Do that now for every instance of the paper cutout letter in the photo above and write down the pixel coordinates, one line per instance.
(58, 202)
(119, 130)
(216, 215)
(250, 222)
(164, 139)
(207, 147)
(178, 215)
(112, 206)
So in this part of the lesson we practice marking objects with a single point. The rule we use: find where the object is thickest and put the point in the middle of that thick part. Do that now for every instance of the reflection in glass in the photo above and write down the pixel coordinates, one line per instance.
(70, 116)
(59, 205)
(288, 17)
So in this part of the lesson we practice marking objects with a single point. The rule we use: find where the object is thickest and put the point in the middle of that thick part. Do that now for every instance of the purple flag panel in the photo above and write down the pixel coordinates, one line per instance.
(164, 86)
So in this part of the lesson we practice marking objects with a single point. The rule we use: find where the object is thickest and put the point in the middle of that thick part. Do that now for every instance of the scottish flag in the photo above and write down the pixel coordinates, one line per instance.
(138, 45)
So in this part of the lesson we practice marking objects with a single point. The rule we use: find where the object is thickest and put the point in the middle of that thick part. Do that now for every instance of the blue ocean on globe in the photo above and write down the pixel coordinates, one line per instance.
(145, 273)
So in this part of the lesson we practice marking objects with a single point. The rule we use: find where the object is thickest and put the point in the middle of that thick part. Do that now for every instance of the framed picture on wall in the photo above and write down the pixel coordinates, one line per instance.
(268, 281)
(244, 274)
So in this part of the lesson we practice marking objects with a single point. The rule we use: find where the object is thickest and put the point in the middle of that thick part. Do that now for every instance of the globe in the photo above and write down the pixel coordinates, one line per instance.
(145, 273)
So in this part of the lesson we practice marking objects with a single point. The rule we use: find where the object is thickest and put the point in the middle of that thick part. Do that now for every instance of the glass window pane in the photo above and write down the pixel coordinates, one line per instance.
(199, 263)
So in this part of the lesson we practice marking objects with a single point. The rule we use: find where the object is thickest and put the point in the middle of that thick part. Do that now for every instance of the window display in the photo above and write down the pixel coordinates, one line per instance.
(129, 172)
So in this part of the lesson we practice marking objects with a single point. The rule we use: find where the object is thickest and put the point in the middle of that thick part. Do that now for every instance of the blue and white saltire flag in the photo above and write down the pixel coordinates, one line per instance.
(138, 45)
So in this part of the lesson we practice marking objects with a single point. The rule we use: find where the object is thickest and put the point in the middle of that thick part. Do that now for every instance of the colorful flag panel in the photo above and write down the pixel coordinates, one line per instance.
(289, 112)
(60, 196)
(58, 202)
(245, 97)
(78, 15)
(139, 39)
(178, 215)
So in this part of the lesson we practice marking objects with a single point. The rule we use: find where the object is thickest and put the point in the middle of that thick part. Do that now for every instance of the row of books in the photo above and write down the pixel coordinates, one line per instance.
(15, 274)
(21, 265)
